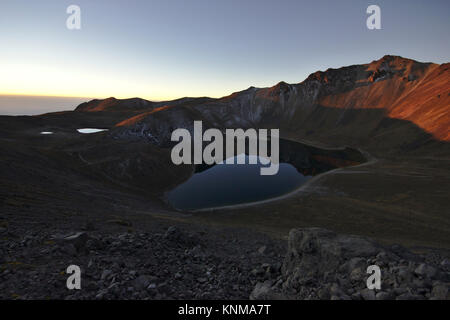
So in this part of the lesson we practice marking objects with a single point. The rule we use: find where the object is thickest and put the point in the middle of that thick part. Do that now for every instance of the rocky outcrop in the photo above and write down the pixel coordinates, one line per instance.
(321, 264)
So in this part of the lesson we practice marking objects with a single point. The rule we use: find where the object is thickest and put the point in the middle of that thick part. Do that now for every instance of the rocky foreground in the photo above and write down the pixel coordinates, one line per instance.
(180, 264)
(166, 263)
(320, 264)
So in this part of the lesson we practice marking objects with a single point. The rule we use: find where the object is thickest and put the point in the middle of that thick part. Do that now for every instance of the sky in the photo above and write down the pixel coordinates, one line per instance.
(161, 50)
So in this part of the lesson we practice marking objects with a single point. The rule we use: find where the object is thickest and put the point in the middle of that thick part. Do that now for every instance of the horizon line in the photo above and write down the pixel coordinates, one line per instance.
(121, 97)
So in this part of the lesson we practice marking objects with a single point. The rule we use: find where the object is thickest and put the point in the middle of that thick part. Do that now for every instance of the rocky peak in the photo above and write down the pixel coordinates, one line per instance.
(113, 104)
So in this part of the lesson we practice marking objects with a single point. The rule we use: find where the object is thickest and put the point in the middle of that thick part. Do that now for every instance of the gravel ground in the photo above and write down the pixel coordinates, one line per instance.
(164, 263)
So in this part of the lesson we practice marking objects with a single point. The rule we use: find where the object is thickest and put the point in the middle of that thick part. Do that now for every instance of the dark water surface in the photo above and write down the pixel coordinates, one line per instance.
(230, 184)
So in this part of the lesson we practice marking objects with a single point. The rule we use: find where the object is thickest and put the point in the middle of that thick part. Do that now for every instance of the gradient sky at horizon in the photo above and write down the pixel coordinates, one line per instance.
(162, 50)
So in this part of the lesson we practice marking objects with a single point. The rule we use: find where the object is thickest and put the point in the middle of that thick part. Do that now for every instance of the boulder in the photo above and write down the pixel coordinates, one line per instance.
(440, 291)
(426, 271)
(320, 264)
(143, 281)
(262, 291)
(77, 240)
(315, 253)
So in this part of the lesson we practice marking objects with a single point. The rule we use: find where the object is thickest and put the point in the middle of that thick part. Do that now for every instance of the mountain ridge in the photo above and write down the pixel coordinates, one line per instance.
(330, 100)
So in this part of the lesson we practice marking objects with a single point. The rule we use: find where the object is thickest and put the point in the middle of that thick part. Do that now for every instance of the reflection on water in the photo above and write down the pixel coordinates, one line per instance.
(230, 184)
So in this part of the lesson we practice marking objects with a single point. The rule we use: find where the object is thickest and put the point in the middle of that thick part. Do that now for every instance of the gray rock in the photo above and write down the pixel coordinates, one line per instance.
(197, 252)
(78, 239)
(315, 253)
(172, 233)
(336, 290)
(409, 296)
(324, 293)
(425, 270)
(356, 296)
(70, 249)
(262, 250)
(164, 288)
(101, 294)
(106, 274)
(357, 262)
(399, 291)
(383, 295)
(368, 294)
(357, 274)
(202, 280)
(258, 271)
(317, 258)
(440, 291)
(404, 275)
(262, 291)
(421, 283)
(132, 273)
(143, 281)
(445, 263)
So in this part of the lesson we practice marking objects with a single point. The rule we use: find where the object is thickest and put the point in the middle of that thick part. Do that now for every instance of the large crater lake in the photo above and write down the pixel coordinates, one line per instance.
(233, 184)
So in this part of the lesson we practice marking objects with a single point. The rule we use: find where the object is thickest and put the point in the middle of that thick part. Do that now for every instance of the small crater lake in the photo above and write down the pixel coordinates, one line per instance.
(90, 130)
